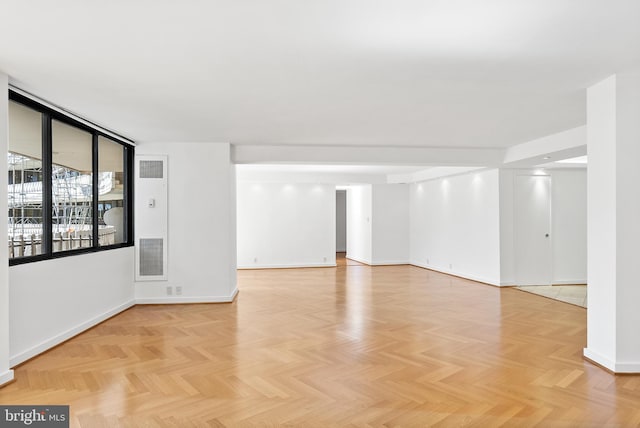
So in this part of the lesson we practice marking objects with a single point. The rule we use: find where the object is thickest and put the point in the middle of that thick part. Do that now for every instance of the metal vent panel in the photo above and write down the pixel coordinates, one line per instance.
(151, 257)
(151, 169)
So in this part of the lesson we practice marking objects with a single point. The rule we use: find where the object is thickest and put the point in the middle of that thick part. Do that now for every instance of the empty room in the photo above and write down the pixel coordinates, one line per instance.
(320, 214)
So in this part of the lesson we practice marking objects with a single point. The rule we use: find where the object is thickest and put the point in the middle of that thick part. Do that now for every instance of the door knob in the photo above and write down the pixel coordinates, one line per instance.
(546, 235)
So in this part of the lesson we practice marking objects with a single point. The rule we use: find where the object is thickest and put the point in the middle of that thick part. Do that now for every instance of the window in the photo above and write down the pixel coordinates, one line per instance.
(111, 162)
(24, 162)
(69, 186)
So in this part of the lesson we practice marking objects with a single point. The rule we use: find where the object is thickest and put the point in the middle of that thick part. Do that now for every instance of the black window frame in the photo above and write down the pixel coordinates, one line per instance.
(48, 115)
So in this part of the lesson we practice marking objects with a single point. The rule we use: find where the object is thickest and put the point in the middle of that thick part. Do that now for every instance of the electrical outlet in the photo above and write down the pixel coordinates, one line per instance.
(325, 259)
(179, 290)
(450, 266)
(255, 260)
(169, 290)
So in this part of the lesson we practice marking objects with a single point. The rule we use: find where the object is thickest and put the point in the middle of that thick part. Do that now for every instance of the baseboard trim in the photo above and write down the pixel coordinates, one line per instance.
(177, 300)
(287, 266)
(599, 360)
(68, 334)
(458, 274)
(390, 263)
(610, 365)
(6, 377)
(571, 282)
(565, 282)
(359, 260)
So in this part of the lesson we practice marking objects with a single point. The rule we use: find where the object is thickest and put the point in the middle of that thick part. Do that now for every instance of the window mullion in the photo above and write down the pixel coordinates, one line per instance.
(47, 185)
(128, 194)
(95, 182)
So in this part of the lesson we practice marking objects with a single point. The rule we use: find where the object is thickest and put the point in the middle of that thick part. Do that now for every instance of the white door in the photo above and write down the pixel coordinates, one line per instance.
(533, 230)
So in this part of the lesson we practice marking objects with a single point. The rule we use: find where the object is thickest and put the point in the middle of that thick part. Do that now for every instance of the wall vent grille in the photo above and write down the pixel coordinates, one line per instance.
(151, 169)
(151, 257)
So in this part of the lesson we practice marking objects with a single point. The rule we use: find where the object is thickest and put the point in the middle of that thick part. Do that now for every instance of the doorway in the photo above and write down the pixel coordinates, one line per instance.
(533, 250)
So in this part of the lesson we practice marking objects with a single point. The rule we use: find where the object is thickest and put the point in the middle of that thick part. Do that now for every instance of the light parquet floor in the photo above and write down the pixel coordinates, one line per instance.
(351, 346)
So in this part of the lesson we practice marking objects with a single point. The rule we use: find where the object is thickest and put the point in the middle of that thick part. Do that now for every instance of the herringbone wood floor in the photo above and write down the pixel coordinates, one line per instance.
(351, 346)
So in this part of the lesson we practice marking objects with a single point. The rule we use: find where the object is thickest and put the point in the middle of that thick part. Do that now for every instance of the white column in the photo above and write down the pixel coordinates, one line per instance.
(613, 135)
(6, 374)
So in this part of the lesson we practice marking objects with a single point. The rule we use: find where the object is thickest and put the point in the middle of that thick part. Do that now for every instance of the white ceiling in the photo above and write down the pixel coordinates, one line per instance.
(426, 73)
(332, 169)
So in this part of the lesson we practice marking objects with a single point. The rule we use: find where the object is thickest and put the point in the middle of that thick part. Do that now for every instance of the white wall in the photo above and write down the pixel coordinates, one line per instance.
(6, 375)
(568, 224)
(359, 229)
(341, 220)
(455, 225)
(286, 224)
(201, 230)
(54, 300)
(507, 227)
(390, 224)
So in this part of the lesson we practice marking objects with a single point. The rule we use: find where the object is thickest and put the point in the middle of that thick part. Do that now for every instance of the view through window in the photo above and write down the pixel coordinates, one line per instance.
(67, 187)
(25, 181)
